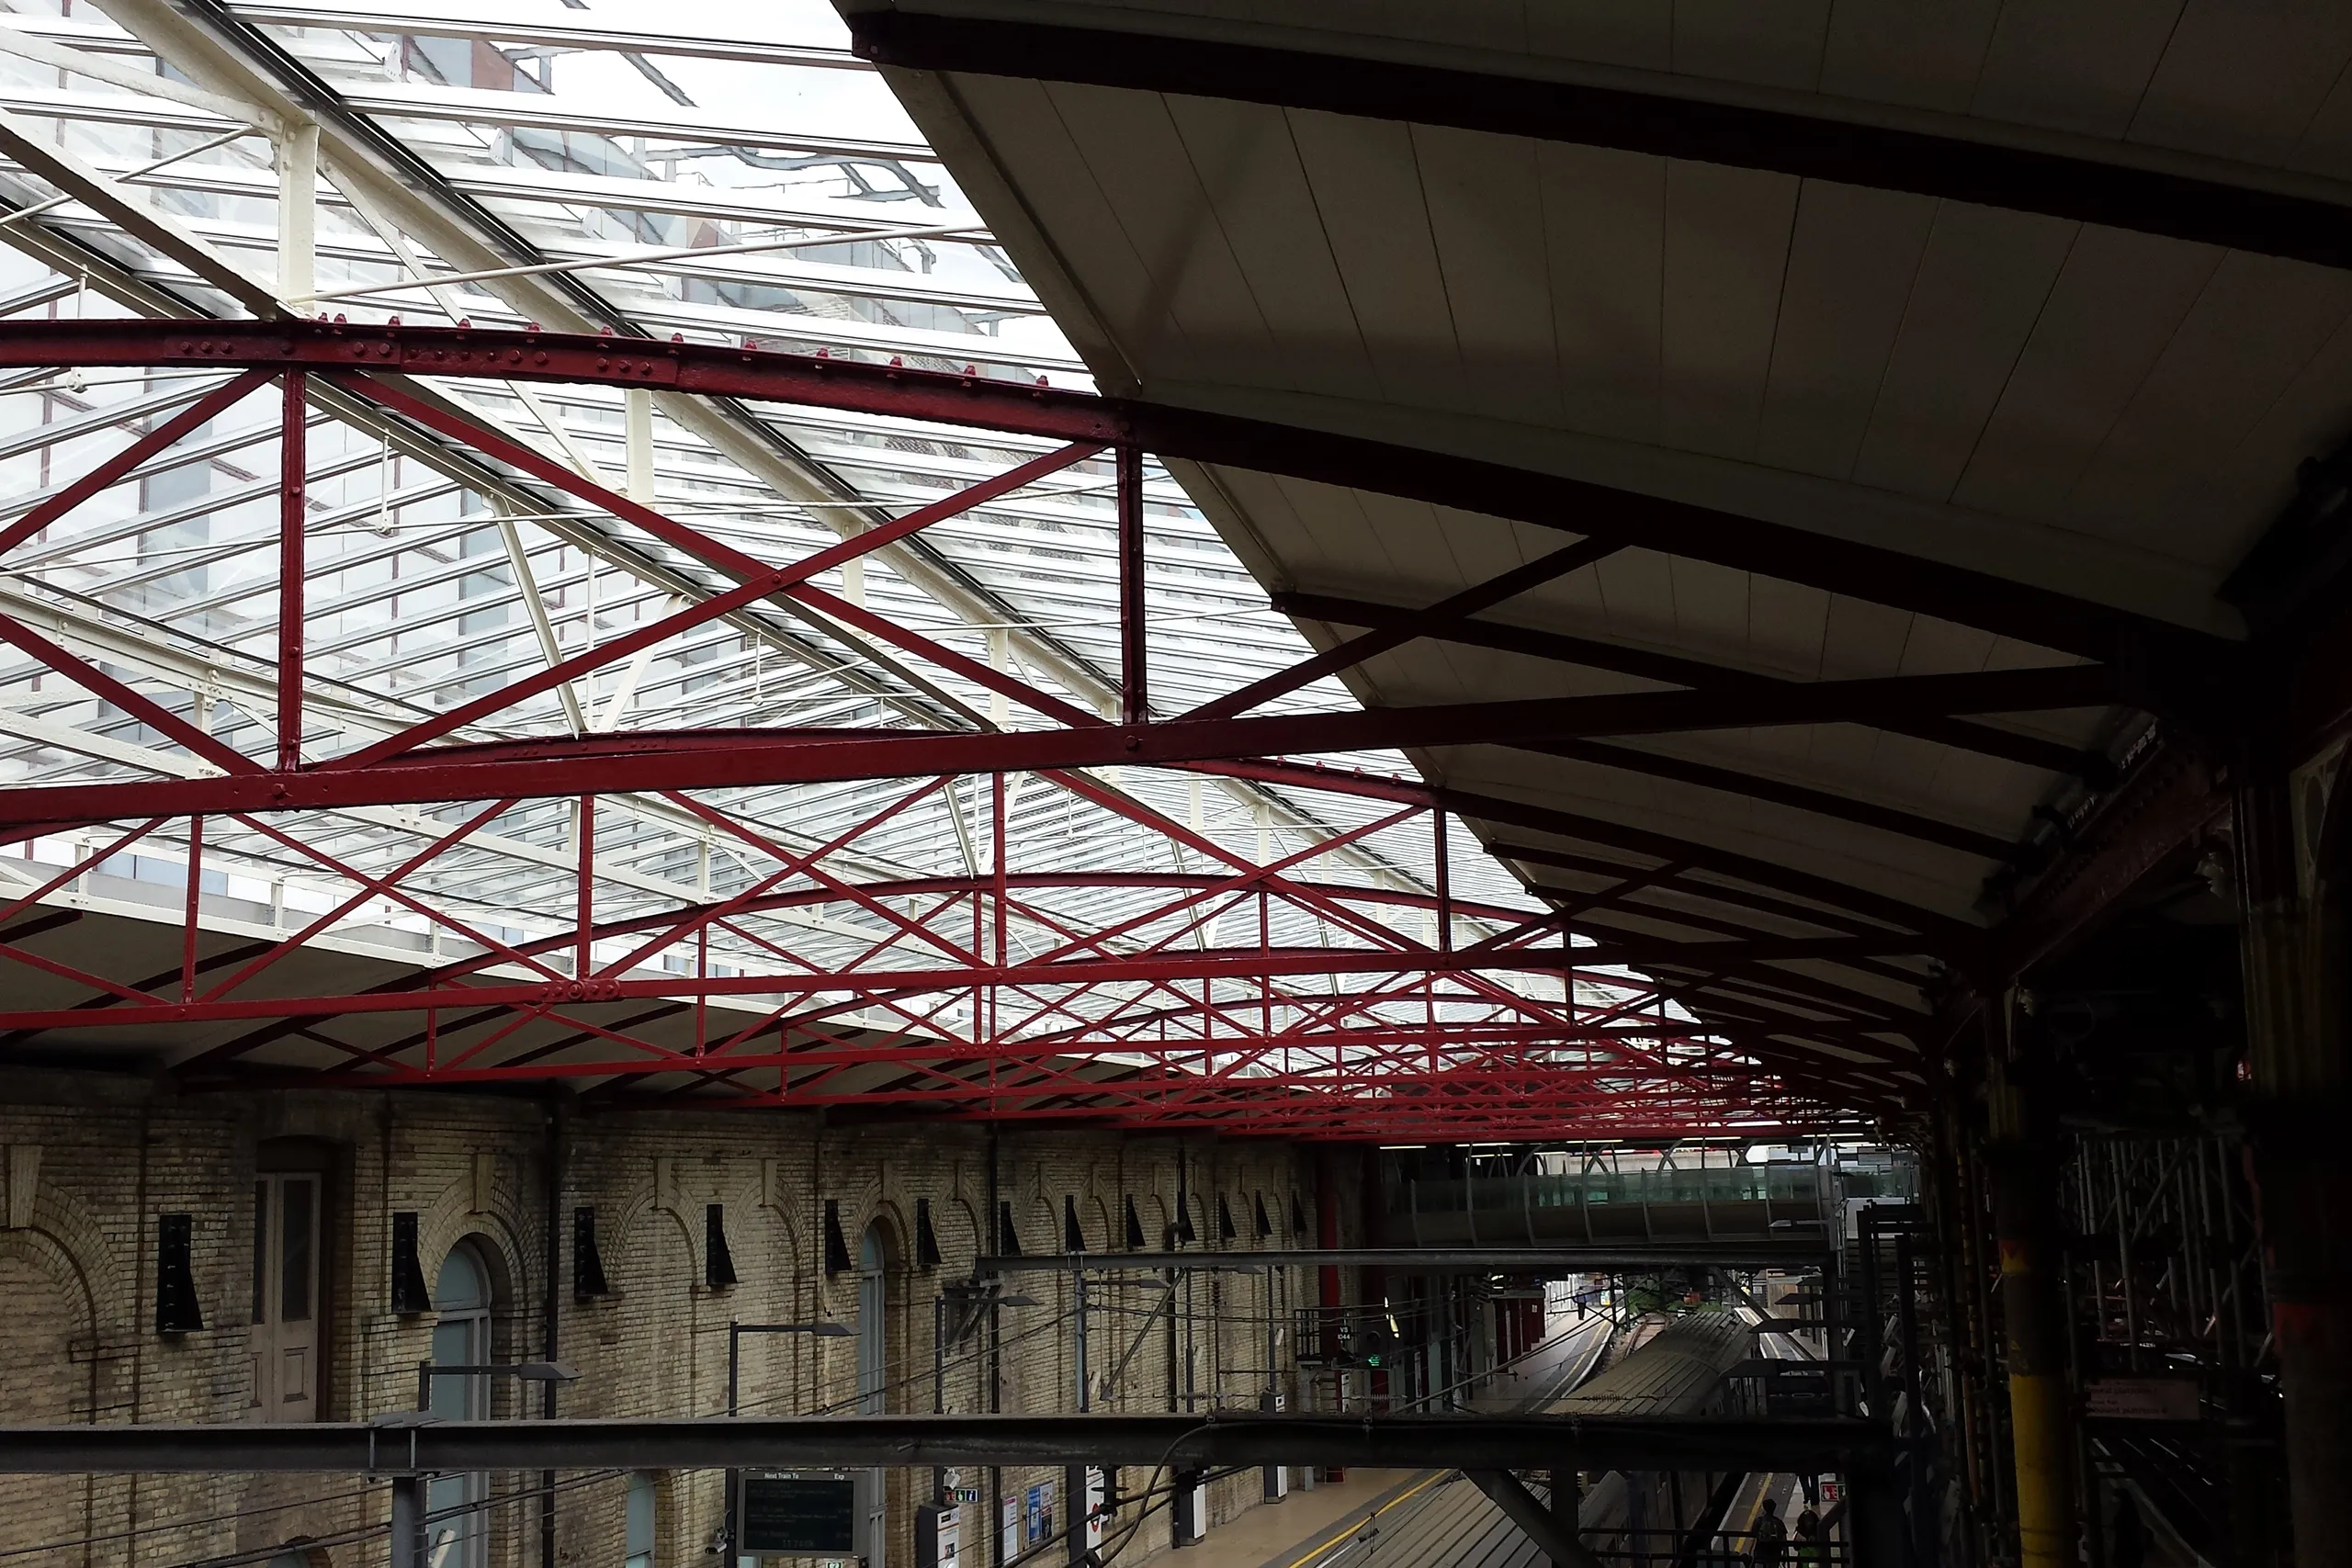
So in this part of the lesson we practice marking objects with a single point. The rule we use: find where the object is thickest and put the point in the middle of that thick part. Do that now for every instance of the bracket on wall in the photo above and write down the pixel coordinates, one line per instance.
(967, 1306)
(410, 1296)
(836, 1244)
(717, 1257)
(927, 1253)
(587, 1264)
(176, 1310)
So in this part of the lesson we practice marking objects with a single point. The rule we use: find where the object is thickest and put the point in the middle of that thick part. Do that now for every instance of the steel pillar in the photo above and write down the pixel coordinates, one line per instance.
(2293, 950)
(1566, 1502)
(1185, 1525)
(408, 1521)
(2032, 1310)
(1955, 1227)
(1075, 1504)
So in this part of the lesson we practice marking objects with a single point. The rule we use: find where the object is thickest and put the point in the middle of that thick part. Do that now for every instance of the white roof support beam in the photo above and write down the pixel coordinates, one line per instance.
(158, 230)
(543, 34)
(298, 210)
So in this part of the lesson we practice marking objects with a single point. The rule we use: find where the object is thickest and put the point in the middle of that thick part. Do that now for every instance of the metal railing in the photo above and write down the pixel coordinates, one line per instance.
(1795, 1185)
(1723, 1549)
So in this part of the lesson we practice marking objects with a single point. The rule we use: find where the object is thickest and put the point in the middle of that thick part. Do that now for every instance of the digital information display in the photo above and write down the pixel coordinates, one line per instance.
(786, 1514)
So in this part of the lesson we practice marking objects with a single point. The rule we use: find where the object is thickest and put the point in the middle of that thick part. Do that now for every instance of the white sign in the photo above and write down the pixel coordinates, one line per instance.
(1097, 1491)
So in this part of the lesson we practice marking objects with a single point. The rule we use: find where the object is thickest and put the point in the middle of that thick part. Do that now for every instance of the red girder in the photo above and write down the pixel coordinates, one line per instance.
(700, 760)
(1233, 965)
(1118, 1022)
(2040, 616)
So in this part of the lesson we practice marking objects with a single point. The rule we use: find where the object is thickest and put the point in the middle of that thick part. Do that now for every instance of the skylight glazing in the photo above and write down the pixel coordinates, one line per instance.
(749, 184)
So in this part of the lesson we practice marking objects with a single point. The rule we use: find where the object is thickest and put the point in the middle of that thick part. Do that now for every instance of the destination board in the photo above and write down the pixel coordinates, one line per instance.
(806, 1516)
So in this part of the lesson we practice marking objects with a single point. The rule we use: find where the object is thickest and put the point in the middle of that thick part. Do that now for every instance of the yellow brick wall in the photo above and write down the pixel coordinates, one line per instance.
(114, 1154)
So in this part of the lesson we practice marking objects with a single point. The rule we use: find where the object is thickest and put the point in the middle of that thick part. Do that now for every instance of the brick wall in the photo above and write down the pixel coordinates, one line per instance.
(100, 1158)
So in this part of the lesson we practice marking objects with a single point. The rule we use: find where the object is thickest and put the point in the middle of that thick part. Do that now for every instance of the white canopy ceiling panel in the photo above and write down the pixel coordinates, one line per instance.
(2112, 414)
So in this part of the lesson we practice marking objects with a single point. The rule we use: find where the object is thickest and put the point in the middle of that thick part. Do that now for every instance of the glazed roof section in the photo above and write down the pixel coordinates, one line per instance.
(756, 184)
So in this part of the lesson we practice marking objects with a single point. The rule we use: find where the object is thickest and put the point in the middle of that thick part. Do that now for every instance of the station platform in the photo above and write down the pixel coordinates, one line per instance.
(1336, 1521)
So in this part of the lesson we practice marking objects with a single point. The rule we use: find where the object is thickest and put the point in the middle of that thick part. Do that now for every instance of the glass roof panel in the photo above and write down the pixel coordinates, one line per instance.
(733, 177)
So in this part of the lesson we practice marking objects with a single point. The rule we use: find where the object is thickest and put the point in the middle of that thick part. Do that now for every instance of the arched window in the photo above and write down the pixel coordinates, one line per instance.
(461, 1295)
(641, 1513)
(873, 1333)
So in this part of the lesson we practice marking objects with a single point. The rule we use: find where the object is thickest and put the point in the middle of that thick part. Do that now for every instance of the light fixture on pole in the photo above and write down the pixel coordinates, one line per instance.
(735, 1332)
(527, 1372)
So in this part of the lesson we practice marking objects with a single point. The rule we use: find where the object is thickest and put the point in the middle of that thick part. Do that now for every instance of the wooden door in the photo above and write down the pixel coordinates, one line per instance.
(285, 1344)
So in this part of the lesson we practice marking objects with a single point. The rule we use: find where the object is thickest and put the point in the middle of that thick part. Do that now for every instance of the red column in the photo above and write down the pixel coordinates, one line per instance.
(293, 462)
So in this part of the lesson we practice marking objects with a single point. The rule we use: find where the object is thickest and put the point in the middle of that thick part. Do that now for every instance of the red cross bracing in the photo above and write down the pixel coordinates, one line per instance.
(732, 911)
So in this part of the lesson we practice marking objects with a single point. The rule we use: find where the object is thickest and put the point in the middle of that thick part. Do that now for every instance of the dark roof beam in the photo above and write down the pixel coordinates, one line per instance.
(1940, 933)
(1741, 900)
(1405, 628)
(2027, 751)
(1875, 959)
(1820, 802)
(2121, 190)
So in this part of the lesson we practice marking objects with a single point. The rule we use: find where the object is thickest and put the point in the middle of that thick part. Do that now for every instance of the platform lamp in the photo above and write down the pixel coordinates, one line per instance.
(527, 1372)
(735, 1332)
(408, 1550)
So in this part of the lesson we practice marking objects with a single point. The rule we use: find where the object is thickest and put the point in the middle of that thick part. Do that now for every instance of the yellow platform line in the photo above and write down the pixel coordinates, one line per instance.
(1332, 1540)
